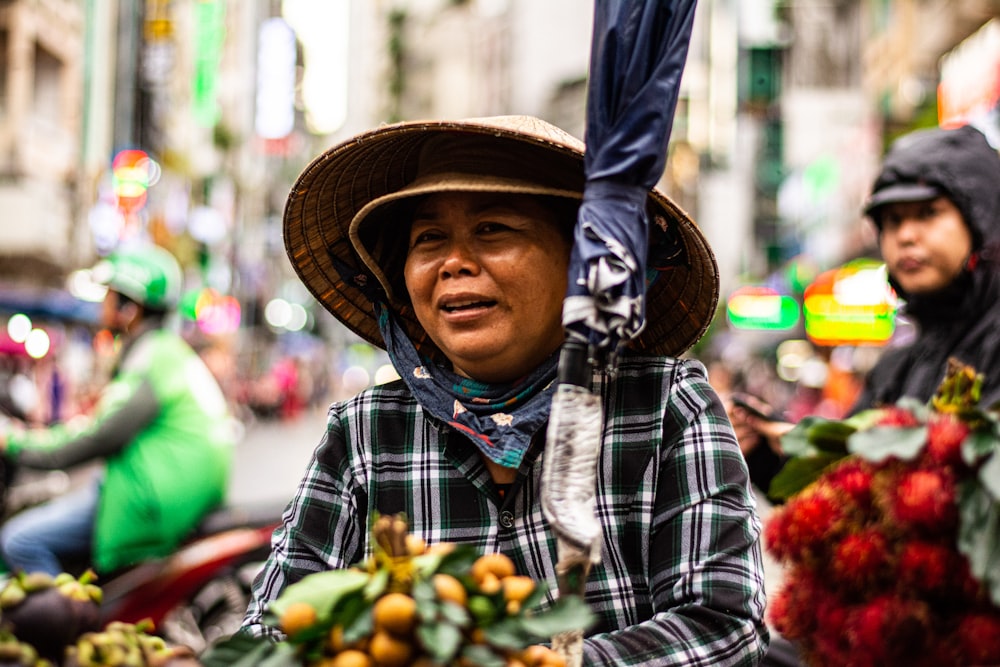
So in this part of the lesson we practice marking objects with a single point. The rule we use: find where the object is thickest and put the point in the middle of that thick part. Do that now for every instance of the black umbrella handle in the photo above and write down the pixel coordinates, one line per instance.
(575, 366)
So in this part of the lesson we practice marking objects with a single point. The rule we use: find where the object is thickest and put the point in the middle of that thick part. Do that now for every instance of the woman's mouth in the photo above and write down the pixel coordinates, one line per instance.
(462, 306)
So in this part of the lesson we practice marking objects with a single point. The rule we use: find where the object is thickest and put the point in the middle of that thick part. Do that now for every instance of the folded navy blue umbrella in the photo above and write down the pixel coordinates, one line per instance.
(638, 52)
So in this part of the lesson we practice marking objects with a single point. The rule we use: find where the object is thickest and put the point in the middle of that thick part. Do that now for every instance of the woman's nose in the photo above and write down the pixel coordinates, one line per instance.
(460, 259)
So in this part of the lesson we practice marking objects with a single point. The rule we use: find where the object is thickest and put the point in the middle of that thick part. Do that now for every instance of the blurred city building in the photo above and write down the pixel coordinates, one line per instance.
(186, 121)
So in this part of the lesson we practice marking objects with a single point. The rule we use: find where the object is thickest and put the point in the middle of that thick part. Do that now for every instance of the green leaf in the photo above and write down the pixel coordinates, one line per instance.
(455, 613)
(989, 476)
(796, 441)
(798, 473)
(509, 634)
(354, 615)
(440, 640)
(568, 613)
(244, 651)
(980, 443)
(864, 419)
(880, 442)
(322, 590)
(231, 651)
(377, 584)
(459, 561)
(284, 655)
(426, 599)
(830, 436)
(482, 656)
(920, 409)
(979, 535)
(427, 564)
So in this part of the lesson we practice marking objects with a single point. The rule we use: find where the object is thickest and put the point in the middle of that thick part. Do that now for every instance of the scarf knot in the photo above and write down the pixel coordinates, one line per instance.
(500, 419)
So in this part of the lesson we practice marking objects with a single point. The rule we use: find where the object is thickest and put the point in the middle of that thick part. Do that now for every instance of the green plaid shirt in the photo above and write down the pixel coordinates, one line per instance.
(681, 580)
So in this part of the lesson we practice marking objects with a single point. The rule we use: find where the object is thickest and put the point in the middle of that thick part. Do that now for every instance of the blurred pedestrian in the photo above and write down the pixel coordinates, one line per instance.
(161, 428)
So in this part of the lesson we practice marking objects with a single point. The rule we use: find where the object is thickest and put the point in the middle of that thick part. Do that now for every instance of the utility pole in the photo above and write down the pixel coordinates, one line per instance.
(127, 110)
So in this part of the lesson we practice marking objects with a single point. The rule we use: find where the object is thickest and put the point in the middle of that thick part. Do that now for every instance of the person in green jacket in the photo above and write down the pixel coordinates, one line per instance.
(161, 426)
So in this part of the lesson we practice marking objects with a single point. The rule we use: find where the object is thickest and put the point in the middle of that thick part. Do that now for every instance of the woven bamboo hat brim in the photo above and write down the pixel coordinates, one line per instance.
(343, 206)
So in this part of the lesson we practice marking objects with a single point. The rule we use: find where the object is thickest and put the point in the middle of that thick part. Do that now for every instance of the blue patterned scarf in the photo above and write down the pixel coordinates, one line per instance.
(500, 419)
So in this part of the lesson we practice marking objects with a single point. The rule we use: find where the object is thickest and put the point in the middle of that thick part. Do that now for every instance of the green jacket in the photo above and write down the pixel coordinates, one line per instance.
(164, 430)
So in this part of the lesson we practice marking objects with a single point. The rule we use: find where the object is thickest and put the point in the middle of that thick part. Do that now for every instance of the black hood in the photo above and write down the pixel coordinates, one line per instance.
(959, 164)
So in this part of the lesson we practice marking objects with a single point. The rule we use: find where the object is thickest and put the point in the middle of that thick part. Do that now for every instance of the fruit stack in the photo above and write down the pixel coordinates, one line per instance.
(889, 534)
(411, 604)
(50, 621)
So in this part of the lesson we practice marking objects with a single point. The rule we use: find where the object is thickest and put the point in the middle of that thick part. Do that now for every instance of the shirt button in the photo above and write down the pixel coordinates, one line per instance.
(506, 519)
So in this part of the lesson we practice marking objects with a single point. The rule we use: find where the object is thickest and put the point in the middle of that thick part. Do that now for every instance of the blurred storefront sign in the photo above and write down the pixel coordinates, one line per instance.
(970, 78)
(209, 36)
(850, 305)
(762, 308)
(275, 117)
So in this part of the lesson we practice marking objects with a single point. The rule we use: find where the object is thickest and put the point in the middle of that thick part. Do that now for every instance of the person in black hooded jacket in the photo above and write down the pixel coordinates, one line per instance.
(936, 207)
(936, 204)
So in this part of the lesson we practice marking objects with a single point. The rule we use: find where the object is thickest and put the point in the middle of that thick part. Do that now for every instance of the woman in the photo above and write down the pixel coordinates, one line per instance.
(448, 243)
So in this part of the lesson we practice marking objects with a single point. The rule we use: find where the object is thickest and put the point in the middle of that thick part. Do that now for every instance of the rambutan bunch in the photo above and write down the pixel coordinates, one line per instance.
(889, 534)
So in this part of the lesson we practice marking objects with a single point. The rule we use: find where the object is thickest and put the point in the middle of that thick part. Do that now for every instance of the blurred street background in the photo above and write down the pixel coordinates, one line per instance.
(186, 121)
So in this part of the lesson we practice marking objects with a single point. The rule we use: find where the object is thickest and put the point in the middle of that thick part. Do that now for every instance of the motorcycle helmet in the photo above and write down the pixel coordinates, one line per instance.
(148, 275)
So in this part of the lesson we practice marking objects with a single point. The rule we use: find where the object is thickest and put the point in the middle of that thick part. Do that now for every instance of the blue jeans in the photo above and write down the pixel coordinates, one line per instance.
(34, 540)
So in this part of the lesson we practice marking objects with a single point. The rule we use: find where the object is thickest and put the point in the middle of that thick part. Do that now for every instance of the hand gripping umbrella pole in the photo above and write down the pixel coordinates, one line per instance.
(569, 470)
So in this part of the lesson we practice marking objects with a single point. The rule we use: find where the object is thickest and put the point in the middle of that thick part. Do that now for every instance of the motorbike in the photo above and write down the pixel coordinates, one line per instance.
(194, 596)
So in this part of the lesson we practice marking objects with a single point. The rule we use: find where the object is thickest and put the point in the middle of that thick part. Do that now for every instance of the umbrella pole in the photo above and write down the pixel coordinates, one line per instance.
(571, 575)
(568, 489)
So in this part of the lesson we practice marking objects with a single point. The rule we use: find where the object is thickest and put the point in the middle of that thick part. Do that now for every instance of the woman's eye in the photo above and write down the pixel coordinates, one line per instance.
(424, 237)
(493, 227)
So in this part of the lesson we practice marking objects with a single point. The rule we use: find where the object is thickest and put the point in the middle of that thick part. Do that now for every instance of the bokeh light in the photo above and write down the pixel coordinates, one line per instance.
(354, 379)
(37, 343)
(278, 313)
(18, 327)
(81, 284)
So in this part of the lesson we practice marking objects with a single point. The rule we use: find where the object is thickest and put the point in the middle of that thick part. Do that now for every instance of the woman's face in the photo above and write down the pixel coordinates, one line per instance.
(486, 274)
(924, 244)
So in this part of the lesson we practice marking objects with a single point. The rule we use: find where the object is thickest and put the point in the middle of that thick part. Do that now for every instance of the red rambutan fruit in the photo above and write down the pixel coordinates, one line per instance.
(896, 416)
(859, 559)
(852, 478)
(793, 610)
(829, 650)
(945, 434)
(926, 567)
(925, 498)
(776, 540)
(967, 586)
(888, 630)
(811, 520)
(781, 616)
(979, 638)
